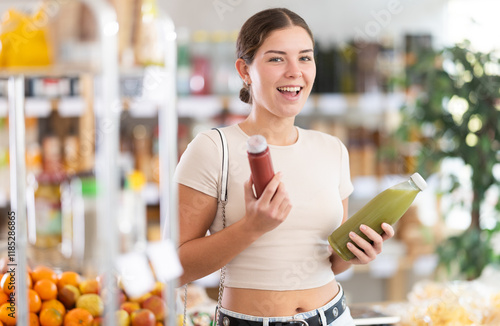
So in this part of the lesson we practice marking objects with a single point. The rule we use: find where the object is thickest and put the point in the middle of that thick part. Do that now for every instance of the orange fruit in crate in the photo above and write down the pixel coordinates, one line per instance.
(43, 272)
(3, 298)
(34, 301)
(54, 304)
(7, 316)
(29, 280)
(46, 289)
(89, 286)
(98, 321)
(68, 277)
(78, 317)
(34, 319)
(7, 283)
(91, 302)
(50, 317)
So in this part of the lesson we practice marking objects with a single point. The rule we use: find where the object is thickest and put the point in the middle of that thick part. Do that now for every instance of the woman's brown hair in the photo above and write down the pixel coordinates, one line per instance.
(255, 31)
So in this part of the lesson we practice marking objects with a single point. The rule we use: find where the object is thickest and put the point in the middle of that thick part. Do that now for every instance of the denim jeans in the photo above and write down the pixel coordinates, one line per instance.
(344, 319)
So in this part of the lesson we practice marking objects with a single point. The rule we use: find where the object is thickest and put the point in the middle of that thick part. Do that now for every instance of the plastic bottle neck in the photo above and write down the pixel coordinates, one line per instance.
(413, 185)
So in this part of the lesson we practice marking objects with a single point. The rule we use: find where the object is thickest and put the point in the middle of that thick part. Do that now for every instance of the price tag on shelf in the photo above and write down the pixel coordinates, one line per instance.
(71, 106)
(164, 259)
(151, 193)
(136, 275)
(371, 103)
(334, 104)
(38, 107)
(201, 107)
(143, 108)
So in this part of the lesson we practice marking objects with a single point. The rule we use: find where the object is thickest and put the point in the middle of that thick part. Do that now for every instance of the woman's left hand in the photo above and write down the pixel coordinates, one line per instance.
(368, 251)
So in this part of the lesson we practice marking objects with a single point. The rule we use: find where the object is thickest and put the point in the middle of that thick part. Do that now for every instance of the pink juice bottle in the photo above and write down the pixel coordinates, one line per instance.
(261, 165)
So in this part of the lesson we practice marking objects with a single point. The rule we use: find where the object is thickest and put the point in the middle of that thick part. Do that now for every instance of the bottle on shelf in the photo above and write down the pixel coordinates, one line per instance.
(45, 215)
(33, 150)
(365, 70)
(15, 51)
(347, 64)
(142, 150)
(200, 81)
(235, 82)
(325, 63)
(149, 47)
(183, 62)
(91, 250)
(387, 207)
(133, 218)
(71, 150)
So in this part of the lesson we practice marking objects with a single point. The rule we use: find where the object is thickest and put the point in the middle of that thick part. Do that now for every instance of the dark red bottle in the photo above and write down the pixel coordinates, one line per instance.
(261, 165)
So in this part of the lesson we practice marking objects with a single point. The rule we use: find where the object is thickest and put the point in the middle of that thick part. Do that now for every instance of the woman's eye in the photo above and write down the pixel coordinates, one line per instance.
(276, 59)
(306, 58)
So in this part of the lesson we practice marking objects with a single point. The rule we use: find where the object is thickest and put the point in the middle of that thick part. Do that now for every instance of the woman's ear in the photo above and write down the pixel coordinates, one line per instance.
(242, 68)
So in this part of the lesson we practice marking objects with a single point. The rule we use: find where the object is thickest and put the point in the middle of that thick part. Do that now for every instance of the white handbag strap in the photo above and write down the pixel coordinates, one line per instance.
(223, 201)
(225, 166)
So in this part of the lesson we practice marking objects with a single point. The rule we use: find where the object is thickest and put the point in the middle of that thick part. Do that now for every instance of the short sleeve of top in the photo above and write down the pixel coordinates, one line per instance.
(345, 187)
(200, 164)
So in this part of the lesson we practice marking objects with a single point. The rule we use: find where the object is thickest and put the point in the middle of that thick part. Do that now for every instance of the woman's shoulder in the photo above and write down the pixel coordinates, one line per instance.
(213, 133)
(319, 137)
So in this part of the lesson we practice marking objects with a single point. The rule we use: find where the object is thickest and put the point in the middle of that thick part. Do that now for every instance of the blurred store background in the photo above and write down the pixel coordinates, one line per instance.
(407, 85)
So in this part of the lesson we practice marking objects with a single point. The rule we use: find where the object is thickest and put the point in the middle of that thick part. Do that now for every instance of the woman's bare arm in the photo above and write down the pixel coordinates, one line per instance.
(201, 255)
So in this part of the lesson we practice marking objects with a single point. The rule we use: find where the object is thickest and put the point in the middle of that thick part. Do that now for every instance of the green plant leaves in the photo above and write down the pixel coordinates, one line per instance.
(456, 114)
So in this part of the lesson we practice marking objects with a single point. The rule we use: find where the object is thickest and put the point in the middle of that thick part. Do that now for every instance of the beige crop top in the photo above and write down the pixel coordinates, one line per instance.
(316, 175)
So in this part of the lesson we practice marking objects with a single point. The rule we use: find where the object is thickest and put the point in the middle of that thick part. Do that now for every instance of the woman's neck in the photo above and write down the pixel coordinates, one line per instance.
(278, 131)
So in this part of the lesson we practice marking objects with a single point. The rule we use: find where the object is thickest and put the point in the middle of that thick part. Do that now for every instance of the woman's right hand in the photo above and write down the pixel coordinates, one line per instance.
(270, 210)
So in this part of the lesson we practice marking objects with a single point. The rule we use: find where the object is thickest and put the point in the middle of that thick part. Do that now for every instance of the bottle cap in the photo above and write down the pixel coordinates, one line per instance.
(256, 144)
(419, 181)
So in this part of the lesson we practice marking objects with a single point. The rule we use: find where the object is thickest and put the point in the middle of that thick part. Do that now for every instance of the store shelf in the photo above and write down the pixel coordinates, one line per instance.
(326, 104)
(19, 107)
(56, 70)
(204, 107)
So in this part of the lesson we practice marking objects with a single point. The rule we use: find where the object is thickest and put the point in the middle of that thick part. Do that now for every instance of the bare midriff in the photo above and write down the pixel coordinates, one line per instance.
(266, 303)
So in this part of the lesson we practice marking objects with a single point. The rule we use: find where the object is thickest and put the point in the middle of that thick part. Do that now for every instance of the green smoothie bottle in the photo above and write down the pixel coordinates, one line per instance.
(386, 207)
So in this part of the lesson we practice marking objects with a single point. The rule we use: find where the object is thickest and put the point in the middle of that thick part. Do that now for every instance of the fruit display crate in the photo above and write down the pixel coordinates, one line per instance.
(46, 292)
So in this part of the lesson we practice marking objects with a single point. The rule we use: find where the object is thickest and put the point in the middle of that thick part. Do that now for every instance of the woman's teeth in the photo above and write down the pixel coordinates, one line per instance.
(289, 89)
(295, 90)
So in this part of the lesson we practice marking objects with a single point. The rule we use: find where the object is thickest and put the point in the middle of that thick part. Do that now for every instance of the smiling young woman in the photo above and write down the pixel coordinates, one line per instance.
(279, 265)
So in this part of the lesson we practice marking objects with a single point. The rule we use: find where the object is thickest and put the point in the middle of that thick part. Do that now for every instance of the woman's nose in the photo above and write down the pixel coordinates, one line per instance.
(293, 70)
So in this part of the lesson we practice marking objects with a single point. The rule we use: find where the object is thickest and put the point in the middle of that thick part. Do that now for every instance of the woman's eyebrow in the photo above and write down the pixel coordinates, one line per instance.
(283, 52)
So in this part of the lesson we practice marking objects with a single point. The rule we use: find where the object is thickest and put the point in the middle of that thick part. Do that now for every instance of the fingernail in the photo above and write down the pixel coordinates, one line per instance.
(362, 227)
(350, 245)
(352, 234)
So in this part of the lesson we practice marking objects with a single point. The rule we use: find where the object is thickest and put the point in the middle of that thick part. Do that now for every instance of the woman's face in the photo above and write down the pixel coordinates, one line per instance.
(283, 71)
